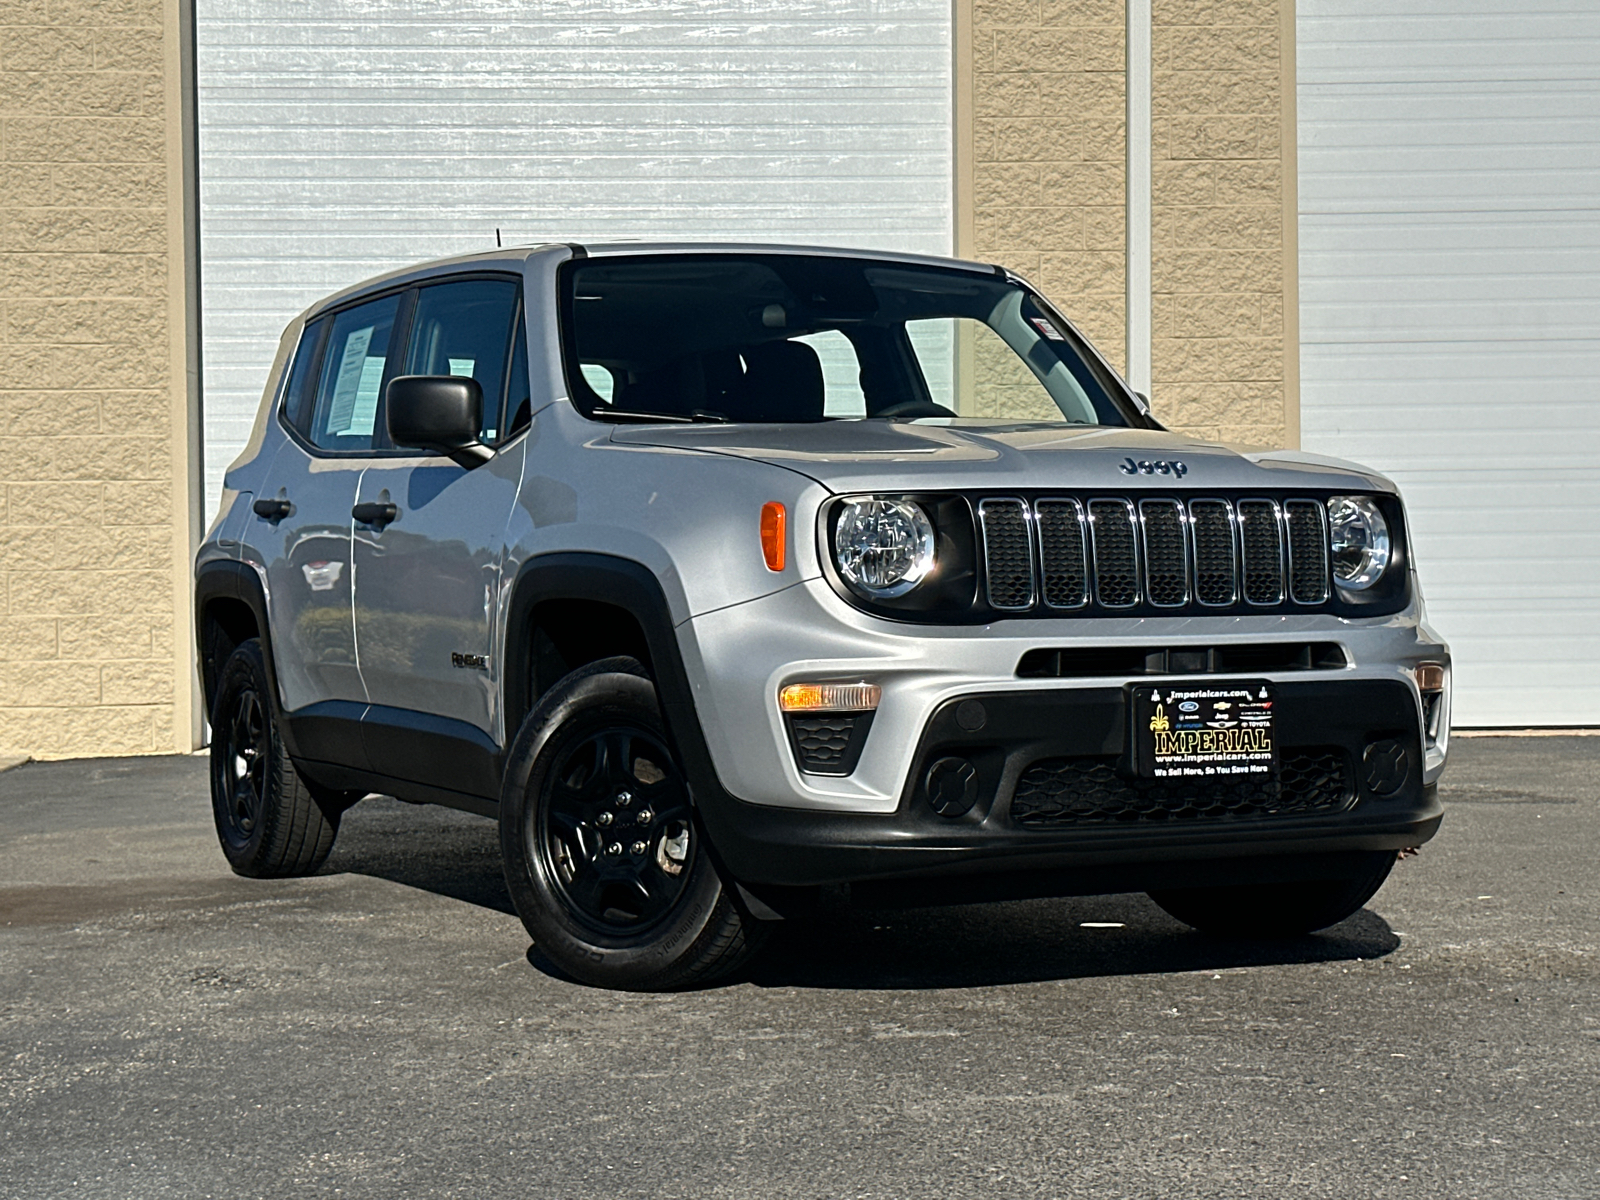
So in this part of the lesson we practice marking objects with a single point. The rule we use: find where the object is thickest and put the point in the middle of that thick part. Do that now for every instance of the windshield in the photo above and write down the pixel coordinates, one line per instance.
(778, 338)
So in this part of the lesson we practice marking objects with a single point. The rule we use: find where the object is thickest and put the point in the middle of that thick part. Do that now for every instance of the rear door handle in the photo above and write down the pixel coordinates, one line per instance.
(272, 508)
(374, 513)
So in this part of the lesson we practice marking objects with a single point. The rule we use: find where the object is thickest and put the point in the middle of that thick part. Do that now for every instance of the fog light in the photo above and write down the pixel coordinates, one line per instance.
(830, 697)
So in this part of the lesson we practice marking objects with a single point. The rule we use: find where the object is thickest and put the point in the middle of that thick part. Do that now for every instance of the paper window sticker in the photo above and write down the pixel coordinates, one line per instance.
(1047, 329)
(462, 366)
(348, 381)
(364, 413)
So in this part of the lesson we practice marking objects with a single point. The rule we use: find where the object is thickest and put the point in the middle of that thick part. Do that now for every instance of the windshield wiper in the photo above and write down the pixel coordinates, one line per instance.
(622, 414)
(699, 416)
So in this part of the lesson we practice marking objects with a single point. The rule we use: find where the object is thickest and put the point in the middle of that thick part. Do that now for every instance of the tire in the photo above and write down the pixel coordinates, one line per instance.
(272, 822)
(605, 861)
(1269, 910)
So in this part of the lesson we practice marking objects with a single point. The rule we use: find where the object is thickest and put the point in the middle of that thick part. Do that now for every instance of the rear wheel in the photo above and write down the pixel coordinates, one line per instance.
(1277, 909)
(271, 822)
(604, 859)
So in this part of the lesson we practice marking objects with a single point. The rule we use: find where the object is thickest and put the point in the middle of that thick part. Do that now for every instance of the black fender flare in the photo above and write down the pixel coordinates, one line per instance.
(626, 584)
(230, 579)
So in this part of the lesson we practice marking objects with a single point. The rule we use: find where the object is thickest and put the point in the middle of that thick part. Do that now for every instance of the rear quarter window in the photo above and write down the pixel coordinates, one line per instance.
(297, 394)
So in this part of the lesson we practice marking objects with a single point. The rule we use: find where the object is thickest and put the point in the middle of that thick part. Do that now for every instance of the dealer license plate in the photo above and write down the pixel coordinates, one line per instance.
(1204, 731)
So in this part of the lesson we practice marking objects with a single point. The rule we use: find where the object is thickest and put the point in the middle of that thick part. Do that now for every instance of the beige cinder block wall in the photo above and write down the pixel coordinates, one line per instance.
(1040, 155)
(1040, 162)
(1224, 312)
(98, 441)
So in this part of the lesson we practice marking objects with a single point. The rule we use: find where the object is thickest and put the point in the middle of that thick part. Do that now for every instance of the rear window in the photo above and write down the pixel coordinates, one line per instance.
(354, 362)
(786, 338)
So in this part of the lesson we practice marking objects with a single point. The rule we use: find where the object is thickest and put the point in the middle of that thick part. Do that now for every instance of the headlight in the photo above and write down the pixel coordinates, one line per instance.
(883, 547)
(1359, 541)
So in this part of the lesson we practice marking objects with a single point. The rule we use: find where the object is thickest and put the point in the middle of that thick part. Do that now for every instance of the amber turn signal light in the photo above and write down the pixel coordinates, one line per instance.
(1430, 677)
(774, 534)
(830, 697)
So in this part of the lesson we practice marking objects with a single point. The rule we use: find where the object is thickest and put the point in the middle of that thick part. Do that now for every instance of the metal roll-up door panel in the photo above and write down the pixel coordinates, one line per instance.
(337, 141)
(1450, 318)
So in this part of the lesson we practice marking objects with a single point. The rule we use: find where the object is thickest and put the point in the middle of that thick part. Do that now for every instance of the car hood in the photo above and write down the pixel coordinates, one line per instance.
(851, 456)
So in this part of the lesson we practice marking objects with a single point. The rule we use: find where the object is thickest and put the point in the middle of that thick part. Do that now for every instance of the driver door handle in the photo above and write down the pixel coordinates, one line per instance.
(272, 508)
(374, 513)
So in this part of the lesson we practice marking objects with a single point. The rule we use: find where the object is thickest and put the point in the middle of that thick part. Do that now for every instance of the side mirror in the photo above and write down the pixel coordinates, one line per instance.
(1143, 402)
(437, 412)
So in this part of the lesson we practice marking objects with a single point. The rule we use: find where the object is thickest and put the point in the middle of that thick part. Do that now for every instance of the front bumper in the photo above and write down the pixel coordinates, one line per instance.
(774, 825)
(1137, 848)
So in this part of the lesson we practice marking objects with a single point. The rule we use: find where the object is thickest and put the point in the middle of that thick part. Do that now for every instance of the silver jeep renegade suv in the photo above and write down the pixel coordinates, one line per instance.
(722, 575)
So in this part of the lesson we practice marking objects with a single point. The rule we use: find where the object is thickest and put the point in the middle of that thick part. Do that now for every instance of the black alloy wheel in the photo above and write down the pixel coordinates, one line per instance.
(605, 859)
(270, 820)
(245, 752)
(615, 829)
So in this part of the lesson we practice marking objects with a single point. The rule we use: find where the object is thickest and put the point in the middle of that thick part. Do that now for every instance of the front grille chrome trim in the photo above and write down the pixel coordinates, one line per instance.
(1266, 570)
(1202, 565)
(1017, 583)
(1317, 561)
(1063, 553)
(1109, 560)
(1155, 559)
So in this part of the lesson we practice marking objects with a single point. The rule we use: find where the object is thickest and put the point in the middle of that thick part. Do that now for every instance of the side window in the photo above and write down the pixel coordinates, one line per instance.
(464, 328)
(346, 408)
(297, 395)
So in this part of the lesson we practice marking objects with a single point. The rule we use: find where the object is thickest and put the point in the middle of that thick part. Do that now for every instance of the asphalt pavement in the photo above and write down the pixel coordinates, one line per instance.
(385, 1030)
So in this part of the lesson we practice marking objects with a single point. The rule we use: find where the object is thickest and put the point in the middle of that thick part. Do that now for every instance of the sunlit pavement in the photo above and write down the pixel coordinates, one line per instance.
(382, 1030)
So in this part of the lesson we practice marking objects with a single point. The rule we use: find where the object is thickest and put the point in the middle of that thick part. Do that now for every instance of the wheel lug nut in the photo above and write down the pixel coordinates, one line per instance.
(614, 848)
(637, 848)
(624, 799)
(645, 816)
(604, 818)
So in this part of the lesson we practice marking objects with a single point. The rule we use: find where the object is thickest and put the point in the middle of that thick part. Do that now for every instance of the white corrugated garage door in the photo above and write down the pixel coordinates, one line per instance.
(1450, 316)
(339, 138)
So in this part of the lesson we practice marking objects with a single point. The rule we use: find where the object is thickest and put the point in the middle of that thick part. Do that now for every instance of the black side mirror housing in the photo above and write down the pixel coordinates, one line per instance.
(1144, 411)
(437, 412)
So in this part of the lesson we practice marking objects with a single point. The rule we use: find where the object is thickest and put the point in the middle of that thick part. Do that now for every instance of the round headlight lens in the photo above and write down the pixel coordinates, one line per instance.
(1358, 540)
(883, 547)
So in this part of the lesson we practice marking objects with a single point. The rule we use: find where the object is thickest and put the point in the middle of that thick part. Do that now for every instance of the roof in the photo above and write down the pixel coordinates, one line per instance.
(512, 257)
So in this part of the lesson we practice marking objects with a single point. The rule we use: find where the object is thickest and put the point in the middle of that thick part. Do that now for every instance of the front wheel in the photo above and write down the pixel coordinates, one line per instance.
(272, 823)
(605, 862)
(1277, 909)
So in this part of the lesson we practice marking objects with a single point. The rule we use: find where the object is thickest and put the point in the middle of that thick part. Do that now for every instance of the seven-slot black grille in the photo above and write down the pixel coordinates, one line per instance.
(1116, 553)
